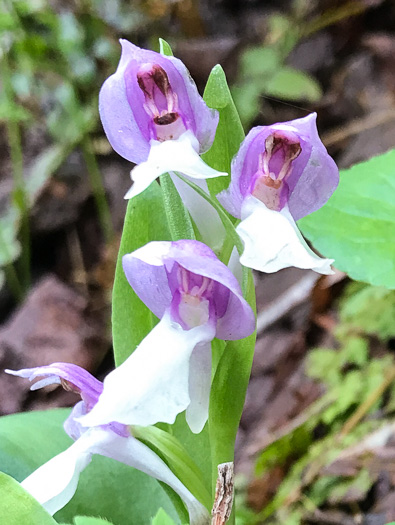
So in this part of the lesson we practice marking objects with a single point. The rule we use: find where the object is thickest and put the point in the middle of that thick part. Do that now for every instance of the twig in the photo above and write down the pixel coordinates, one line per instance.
(357, 126)
(224, 492)
(295, 295)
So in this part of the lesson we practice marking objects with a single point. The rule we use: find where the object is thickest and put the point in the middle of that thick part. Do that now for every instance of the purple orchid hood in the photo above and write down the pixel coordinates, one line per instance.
(152, 97)
(283, 164)
(180, 274)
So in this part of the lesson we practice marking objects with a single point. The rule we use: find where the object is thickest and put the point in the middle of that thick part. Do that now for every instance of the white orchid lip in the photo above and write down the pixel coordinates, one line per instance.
(166, 156)
(272, 241)
(152, 385)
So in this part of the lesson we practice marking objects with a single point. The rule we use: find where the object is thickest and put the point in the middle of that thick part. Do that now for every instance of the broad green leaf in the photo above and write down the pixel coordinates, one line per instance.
(291, 84)
(357, 225)
(145, 221)
(18, 507)
(228, 392)
(106, 489)
(229, 131)
(89, 520)
(175, 455)
(196, 445)
(162, 518)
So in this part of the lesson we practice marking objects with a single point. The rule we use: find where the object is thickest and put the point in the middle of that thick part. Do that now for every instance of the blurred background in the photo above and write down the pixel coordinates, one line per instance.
(316, 443)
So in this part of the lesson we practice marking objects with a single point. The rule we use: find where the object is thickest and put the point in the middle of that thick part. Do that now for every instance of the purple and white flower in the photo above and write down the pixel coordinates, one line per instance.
(280, 174)
(196, 298)
(55, 483)
(154, 116)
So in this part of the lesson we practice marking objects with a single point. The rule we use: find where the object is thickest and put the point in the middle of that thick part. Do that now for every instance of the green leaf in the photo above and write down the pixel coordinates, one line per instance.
(89, 520)
(176, 456)
(291, 84)
(259, 61)
(196, 445)
(165, 48)
(230, 132)
(106, 489)
(17, 507)
(131, 320)
(357, 225)
(162, 518)
(228, 392)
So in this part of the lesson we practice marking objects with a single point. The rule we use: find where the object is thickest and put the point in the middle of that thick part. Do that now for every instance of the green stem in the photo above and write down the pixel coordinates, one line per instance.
(20, 196)
(232, 238)
(178, 218)
(228, 224)
(13, 282)
(99, 194)
(11, 276)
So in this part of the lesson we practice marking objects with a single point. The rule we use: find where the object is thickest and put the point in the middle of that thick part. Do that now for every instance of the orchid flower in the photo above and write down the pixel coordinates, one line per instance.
(196, 298)
(154, 116)
(54, 483)
(280, 174)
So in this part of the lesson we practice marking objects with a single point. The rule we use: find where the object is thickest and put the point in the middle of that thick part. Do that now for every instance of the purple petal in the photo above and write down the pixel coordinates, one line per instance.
(320, 176)
(121, 104)
(146, 273)
(78, 378)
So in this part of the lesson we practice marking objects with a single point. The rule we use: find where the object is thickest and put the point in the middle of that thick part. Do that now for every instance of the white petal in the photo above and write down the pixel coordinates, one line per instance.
(199, 387)
(272, 241)
(135, 454)
(151, 386)
(54, 483)
(171, 155)
(203, 214)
